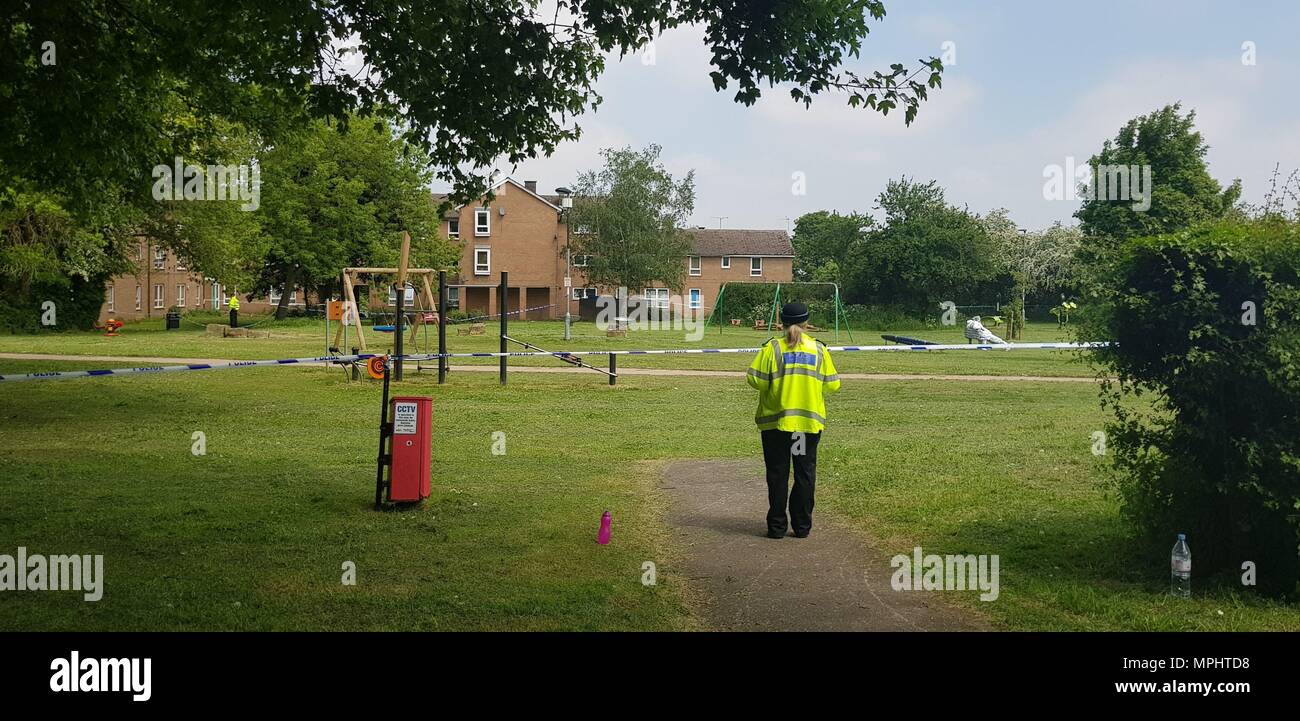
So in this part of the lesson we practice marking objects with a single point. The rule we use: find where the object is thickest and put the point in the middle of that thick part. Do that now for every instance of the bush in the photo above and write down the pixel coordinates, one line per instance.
(1216, 454)
(77, 305)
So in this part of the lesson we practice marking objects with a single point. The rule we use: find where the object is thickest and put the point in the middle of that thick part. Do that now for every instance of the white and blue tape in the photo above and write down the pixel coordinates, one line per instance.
(144, 370)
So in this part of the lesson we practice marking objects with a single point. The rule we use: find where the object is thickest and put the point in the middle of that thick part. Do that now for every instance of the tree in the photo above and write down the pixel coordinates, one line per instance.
(627, 218)
(823, 240)
(47, 255)
(83, 83)
(926, 252)
(335, 196)
(1182, 192)
(1202, 380)
(1038, 261)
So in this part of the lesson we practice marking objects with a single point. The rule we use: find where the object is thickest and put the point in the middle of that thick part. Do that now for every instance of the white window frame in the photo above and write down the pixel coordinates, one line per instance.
(581, 261)
(660, 301)
(407, 302)
(159, 296)
(180, 294)
(486, 265)
(696, 298)
(216, 296)
(580, 293)
(484, 229)
(695, 265)
(159, 259)
(453, 298)
(756, 266)
(139, 297)
(453, 234)
(180, 264)
(111, 304)
(726, 262)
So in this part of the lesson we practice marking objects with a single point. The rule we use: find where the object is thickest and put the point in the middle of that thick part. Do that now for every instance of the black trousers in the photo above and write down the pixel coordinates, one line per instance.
(234, 318)
(777, 456)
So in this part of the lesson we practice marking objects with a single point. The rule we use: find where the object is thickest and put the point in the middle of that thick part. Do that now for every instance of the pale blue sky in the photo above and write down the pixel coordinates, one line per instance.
(1034, 82)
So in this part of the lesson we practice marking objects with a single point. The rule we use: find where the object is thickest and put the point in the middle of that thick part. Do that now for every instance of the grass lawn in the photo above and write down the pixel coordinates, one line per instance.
(253, 534)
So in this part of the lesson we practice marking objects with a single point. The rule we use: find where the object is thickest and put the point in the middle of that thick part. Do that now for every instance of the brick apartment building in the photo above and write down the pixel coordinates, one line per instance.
(523, 232)
(520, 231)
(161, 281)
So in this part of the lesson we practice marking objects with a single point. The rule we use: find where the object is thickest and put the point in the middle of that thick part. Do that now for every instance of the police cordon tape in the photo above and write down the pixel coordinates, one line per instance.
(57, 375)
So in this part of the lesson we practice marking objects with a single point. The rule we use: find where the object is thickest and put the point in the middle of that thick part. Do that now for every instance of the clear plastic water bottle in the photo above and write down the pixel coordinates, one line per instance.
(1180, 569)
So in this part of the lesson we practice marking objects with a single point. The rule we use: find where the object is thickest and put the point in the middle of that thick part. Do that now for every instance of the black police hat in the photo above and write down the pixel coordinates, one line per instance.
(794, 313)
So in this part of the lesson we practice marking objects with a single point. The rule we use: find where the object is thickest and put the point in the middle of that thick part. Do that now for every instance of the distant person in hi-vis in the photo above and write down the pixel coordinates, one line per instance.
(791, 374)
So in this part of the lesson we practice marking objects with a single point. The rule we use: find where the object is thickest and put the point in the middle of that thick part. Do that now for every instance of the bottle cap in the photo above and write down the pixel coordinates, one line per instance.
(1182, 537)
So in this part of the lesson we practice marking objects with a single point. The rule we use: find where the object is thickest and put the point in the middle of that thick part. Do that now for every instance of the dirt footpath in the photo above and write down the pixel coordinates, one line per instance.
(834, 580)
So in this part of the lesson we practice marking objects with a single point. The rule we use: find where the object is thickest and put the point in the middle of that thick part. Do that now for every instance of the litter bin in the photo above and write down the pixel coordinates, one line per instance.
(173, 320)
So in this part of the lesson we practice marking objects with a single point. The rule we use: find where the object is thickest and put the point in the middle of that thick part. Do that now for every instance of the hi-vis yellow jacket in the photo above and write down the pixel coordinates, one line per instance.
(233, 303)
(790, 383)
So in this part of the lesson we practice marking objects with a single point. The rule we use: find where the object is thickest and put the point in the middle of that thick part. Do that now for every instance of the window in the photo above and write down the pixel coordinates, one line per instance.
(482, 261)
(695, 265)
(453, 228)
(159, 258)
(755, 266)
(453, 298)
(657, 298)
(277, 293)
(217, 295)
(581, 261)
(180, 295)
(726, 262)
(580, 293)
(697, 299)
(159, 297)
(109, 299)
(180, 264)
(137, 297)
(407, 302)
(482, 222)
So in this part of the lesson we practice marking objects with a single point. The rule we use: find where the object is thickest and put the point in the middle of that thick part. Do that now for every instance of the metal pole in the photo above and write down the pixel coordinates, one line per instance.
(401, 296)
(836, 311)
(568, 290)
(442, 326)
(503, 305)
(613, 368)
(383, 458)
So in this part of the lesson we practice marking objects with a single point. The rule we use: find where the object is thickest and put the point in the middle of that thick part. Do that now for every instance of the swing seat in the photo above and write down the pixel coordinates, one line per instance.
(384, 328)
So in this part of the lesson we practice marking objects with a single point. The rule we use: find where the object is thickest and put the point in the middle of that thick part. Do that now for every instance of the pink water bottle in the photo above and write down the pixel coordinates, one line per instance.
(605, 522)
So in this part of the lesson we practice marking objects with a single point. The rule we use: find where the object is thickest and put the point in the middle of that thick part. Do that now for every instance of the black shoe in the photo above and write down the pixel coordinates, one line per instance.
(776, 534)
(804, 534)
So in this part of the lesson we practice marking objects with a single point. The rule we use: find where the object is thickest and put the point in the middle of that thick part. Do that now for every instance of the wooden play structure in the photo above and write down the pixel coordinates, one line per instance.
(426, 312)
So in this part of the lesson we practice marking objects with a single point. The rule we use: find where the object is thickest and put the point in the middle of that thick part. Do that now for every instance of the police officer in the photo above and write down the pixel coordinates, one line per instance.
(234, 311)
(791, 375)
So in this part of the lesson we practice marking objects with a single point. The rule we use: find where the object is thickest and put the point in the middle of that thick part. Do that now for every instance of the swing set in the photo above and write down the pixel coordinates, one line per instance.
(840, 317)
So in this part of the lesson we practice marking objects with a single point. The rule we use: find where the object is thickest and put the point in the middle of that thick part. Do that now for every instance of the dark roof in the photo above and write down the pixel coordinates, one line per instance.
(726, 241)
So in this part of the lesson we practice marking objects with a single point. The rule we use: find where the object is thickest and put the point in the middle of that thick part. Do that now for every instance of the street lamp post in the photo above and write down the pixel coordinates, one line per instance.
(566, 202)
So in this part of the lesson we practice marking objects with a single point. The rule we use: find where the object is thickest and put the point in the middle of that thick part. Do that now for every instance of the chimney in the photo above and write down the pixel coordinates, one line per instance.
(531, 185)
